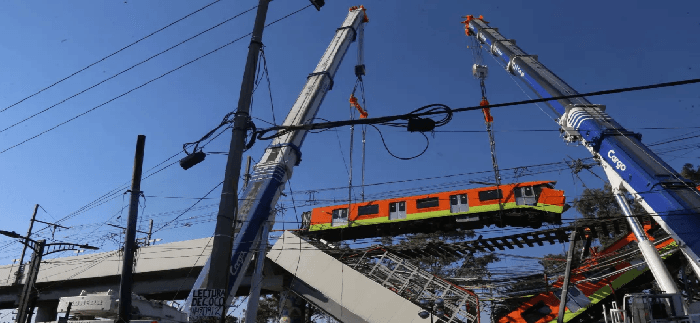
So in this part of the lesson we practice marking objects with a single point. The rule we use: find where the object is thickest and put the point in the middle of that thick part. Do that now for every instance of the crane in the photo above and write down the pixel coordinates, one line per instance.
(629, 164)
(275, 167)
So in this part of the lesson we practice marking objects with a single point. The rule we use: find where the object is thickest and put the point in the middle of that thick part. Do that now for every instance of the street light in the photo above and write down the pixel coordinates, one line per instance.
(10, 234)
(429, 306)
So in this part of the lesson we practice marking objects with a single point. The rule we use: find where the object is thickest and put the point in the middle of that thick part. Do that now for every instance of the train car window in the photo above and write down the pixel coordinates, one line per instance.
(536, 312)
(490, 195)
(368, 209)
(427, 202)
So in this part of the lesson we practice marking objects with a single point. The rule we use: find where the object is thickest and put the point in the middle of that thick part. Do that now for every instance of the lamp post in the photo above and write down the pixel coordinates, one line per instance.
(28, 296)
(429, 306)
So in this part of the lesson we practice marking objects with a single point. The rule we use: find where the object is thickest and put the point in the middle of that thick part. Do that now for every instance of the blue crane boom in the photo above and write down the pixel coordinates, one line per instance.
(671, 200)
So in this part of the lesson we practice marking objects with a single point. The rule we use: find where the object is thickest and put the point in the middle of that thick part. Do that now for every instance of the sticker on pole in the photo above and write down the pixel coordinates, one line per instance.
(206, 303)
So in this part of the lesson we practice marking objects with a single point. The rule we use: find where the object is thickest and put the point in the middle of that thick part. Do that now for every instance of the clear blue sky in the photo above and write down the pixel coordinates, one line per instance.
(415, 52)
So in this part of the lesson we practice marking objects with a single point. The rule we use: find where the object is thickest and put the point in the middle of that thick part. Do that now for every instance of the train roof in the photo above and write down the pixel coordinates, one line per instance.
(532, 183)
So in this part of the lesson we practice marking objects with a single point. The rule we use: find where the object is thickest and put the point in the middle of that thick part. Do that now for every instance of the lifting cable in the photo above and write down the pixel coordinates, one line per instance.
(480, 71)
(355, 106)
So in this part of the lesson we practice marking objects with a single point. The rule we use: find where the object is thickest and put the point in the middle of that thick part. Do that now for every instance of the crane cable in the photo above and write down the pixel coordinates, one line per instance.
(480, 71)
(355, 105)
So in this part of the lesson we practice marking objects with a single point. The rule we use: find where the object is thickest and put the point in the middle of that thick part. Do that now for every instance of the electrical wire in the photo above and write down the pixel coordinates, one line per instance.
(188, 209)
(122, 72)
(427, 145)
(552, 79)
(146, 83)
(110, 55)
(447, 111)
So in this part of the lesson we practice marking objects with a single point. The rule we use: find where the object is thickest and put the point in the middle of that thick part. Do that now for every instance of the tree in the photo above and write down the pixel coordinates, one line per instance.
(450, 267)
(268, 311)
(600, 203)
(522, 288)
(473, 266)
(268, 308)
(691, 173)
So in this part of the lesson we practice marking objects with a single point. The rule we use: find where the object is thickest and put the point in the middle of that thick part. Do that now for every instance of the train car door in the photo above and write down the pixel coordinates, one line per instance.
(340, 217)
(397, 210)
(459, 203)
(525, 196)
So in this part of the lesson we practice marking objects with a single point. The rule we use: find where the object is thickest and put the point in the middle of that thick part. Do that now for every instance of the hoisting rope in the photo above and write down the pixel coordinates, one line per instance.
(355, 106)
(480, 71)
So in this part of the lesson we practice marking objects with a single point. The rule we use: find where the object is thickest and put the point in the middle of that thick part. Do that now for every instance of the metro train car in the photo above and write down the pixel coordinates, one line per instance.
(606, 275)
(527, 204)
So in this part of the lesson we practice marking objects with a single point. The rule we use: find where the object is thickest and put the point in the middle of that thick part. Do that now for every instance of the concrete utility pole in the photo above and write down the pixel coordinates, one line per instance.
(565, 287)
(18, 274)
(130, 239)
(228, 207)
(28, 296)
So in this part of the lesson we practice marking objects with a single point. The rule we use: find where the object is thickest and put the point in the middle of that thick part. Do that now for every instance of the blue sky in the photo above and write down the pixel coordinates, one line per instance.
(415, 52)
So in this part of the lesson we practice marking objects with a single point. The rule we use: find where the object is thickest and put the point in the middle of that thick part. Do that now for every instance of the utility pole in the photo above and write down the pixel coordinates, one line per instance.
(246, 177)
(28, 296)
(150, 231)
(130, 239)
(20, 271)
(565, 287)
(228, 207)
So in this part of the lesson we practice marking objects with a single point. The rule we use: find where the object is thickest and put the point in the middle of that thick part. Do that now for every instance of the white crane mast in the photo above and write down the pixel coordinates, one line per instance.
(276, 165)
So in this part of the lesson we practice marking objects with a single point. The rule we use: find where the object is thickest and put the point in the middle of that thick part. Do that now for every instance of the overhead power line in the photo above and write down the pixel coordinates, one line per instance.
(108, 56)
(144, 84)
(281, 130)
(557, 130)
(114, 193)
(126, 70)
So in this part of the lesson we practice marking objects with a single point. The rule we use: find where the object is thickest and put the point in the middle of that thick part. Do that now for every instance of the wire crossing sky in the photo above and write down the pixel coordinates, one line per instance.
(172, 70)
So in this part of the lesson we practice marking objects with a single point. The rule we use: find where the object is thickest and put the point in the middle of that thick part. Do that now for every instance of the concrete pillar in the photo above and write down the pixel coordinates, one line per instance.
(46, 312)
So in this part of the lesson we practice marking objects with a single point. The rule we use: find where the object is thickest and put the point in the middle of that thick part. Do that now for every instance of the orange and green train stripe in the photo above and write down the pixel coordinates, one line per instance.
(434, 214)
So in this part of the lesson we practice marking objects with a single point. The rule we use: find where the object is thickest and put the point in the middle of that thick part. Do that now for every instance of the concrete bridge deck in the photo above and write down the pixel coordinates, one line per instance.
(163, 272)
